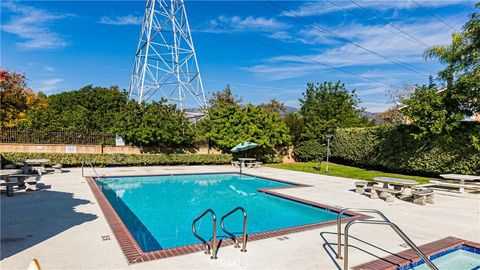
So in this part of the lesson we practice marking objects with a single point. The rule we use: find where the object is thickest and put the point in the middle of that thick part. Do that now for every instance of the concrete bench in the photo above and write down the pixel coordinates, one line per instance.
(454, 185)
(31, 183)
(422, 196)
(27, 181)
(39, 169)
(388, 194)
(255, 164)
(362, 186)
(236, 164)
(57, 168)
(9, 186)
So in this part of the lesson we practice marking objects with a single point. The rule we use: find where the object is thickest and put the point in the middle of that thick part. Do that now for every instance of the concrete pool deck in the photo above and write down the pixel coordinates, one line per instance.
(63, 227)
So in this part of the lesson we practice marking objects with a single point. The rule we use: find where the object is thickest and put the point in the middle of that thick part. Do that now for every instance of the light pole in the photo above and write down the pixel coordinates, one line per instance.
(329, 136)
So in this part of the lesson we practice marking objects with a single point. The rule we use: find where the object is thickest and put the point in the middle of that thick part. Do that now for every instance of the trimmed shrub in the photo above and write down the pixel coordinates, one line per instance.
(310, 151)
(394, 149)
(103, 160)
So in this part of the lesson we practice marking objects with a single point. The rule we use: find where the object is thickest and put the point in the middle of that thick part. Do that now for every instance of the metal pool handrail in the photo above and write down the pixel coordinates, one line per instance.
(93, 168)
(396, 229)
(213, 249)
(339, 224)
(232, 236)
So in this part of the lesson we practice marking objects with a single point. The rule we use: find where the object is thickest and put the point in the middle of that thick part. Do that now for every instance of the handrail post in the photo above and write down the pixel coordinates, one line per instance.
(214, 241)
(396, 229)
(345, 251)
(232, 236)
(339, 224)
(244, 240)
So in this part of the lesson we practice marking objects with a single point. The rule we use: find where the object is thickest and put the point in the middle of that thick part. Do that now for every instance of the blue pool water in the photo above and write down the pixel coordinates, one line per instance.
(461, 257)
(159, 210)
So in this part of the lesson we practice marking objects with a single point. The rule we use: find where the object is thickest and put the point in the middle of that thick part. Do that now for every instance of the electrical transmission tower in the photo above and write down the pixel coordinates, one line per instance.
(165, 62)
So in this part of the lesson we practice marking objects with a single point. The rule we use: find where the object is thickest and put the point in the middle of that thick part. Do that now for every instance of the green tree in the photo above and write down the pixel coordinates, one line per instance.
(294, 122)
(87, 109)
(426, 110)
(434, 111)
(327, 106)
(276, 106)
(154, 124)
(462, 71)
(229, 123)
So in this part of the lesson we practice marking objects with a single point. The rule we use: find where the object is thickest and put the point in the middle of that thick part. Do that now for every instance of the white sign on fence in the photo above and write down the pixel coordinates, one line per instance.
(70, 149)
(119, 140)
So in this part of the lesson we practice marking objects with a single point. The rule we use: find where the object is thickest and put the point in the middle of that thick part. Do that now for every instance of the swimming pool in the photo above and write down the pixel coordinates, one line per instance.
(449, 253)
(459, 257)
(158, 210)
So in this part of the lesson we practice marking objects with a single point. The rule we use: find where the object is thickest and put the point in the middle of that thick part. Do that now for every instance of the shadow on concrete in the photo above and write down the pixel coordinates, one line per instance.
(30, 218)
(331, 249)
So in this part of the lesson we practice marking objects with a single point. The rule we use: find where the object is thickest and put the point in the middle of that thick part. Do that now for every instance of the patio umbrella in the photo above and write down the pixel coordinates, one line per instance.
(243, 146)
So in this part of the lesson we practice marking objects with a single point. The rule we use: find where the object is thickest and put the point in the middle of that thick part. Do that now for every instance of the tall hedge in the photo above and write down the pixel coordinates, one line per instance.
(394, 149)
(102, 160)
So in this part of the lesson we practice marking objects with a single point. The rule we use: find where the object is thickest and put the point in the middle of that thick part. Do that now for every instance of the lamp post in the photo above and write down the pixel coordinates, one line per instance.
(329, 136)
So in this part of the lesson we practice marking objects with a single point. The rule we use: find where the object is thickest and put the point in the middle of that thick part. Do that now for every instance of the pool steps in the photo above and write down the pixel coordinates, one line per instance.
(213, 249)
(384, 221)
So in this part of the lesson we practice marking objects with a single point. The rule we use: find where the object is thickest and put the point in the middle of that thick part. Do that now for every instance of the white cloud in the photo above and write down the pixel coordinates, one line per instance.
(49, 84)
(49, 69)
(32, 25)
(247, 24)
(280, 71)
(122, 20)
(341, 55)
(368, 88)
(323, 7)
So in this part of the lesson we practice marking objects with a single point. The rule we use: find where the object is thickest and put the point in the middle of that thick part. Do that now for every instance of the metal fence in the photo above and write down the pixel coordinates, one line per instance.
(58, 137)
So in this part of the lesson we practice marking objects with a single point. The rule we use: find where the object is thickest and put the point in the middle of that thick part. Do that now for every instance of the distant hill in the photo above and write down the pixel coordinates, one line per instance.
(291, 109)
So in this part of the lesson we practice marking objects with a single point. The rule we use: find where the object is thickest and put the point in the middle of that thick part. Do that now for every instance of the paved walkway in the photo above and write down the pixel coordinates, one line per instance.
(63, 227)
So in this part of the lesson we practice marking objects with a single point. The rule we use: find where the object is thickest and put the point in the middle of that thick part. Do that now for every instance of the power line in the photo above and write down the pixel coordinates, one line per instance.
(325, 30)
(392, 25)
(251, 85)
(297, 55)
(433, 15)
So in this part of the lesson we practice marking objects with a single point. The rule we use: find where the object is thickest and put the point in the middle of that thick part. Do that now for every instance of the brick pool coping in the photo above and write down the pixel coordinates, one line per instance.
(134, 254)
(406, 257)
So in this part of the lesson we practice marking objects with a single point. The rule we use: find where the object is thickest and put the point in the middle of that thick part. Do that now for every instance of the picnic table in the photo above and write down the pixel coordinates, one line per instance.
(242, 161)
(4, 174)
(40, 162)
(398, 183)
(461, 178)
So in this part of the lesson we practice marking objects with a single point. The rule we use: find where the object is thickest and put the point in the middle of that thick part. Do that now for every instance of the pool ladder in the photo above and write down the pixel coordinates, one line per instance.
(384, 221)
(84, 163)
(213, 249)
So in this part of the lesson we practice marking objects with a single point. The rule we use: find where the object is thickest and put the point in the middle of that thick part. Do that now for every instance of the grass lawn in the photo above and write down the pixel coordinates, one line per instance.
(343, 171)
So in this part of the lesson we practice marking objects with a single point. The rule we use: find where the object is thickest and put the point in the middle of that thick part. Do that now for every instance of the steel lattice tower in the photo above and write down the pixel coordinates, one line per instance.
(165, 62)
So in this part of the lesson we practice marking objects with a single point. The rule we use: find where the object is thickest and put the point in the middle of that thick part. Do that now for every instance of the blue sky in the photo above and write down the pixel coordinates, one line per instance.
(270, 50)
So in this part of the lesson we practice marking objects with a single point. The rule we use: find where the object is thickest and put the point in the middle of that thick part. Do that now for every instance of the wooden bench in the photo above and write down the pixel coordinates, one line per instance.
(422, 196)
(362, 186)
(454, 185)
(388, 194)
